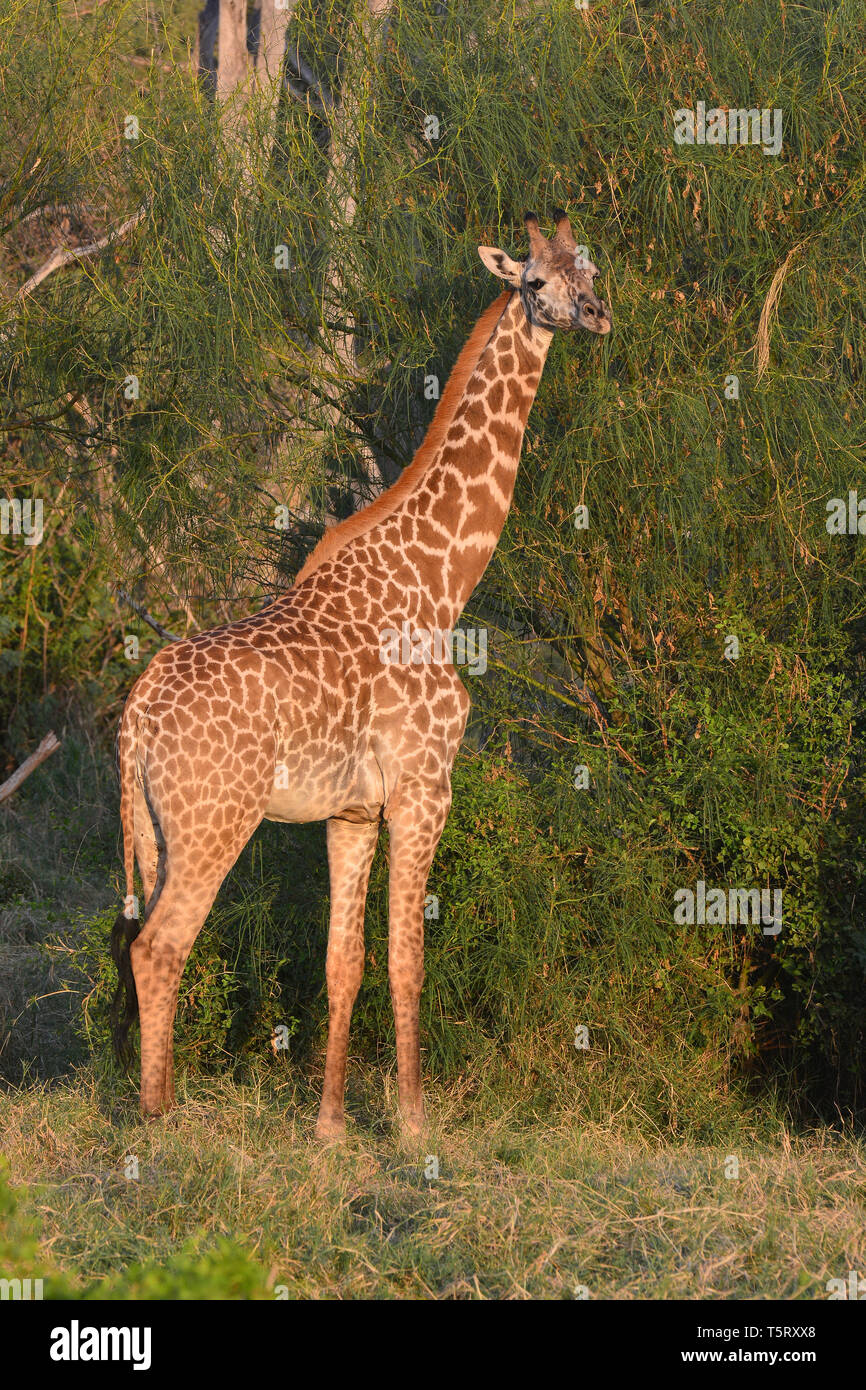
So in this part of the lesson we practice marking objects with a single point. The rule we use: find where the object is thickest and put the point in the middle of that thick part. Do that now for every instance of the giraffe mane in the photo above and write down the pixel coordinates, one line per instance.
(387, 502)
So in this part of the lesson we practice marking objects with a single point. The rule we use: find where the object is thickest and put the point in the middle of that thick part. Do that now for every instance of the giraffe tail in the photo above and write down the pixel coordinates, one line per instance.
(124, 1005)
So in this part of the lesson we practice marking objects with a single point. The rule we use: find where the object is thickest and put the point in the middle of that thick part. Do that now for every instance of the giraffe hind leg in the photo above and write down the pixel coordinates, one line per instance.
(159, 954)
(201, 816)
(193, 864)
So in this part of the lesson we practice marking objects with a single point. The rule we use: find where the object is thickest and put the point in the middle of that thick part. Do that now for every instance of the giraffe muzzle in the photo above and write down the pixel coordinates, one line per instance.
(593, 314)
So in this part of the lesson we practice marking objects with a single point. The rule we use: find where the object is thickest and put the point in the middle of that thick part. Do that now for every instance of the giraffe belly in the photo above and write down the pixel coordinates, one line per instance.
(351, 796)
(296, 805)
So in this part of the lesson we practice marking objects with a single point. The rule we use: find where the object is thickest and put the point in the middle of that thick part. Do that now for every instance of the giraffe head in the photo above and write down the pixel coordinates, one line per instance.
(555, 282)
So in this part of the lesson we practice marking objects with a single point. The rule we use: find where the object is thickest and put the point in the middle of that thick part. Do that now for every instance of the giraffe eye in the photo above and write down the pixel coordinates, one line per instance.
(537, 284)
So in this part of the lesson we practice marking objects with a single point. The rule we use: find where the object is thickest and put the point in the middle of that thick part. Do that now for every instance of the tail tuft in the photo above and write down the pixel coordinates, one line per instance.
(124, 1005)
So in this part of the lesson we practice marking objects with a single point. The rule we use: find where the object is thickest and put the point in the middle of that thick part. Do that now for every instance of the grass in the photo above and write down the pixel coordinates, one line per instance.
(517, 1211)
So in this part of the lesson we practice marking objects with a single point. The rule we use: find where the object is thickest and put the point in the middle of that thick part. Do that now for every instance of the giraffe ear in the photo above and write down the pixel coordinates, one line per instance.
(501, 265)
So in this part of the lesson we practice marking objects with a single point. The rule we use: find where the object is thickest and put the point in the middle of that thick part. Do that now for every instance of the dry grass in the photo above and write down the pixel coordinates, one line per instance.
(532, 1212)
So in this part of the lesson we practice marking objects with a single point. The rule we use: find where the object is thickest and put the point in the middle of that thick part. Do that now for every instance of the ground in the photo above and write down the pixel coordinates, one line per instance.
(548, 1210)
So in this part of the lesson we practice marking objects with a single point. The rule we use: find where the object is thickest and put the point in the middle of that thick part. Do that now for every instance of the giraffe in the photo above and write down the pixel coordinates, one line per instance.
(292, 714)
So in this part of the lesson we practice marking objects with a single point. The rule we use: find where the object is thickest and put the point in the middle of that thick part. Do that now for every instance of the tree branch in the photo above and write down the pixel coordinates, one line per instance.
(145, 616)
(48, 745)
(64, 255)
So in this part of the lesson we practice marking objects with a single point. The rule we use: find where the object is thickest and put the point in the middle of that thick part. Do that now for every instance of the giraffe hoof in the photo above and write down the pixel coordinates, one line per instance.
(330, 1128)
(413, 1123)
(158, 1111)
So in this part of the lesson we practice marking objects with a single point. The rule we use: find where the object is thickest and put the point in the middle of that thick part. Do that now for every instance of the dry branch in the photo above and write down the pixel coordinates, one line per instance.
(45, 749)
(146, 617)
(64, 255)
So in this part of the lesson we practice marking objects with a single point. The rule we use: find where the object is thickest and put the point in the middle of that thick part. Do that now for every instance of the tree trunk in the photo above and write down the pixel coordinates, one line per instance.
(233, 66)
(341, 190)
(236, 66)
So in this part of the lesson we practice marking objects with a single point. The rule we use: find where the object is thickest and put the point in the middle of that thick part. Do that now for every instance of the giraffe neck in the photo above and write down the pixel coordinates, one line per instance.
(460, 504)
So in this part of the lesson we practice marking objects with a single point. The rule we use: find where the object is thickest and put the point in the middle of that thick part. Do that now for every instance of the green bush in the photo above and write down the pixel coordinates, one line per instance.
(229, 1001)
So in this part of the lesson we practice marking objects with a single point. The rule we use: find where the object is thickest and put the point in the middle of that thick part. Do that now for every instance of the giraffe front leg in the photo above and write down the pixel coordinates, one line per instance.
(351, 846)
(415, 826)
